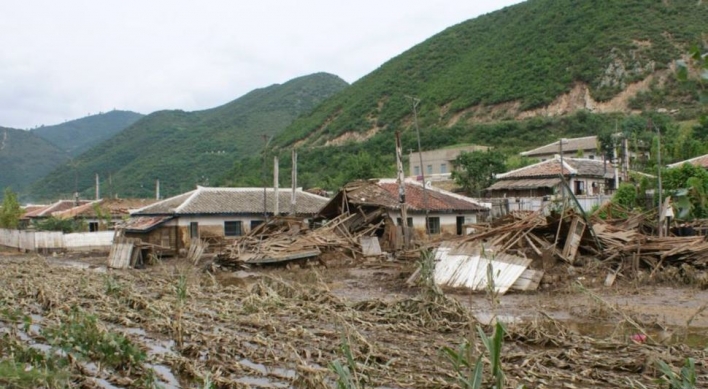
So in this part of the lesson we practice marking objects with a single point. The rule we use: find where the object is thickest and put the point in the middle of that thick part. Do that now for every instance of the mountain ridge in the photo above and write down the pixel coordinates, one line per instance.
(184, 149)
(78, 135)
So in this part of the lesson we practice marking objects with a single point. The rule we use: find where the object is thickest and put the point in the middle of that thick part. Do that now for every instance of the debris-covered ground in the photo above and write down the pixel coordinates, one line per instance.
(173, 325)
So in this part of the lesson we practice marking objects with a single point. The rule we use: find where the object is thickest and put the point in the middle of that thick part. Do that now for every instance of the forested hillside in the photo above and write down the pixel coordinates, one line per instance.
(184, 149)
(77, 136)
(24, 158)
(513, 78)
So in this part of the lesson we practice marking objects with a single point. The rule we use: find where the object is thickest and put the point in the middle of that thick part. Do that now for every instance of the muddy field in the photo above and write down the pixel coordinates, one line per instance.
(173, 325)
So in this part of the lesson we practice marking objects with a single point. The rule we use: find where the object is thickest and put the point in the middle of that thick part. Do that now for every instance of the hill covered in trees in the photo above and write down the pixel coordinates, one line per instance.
(24, 158)
(514, 78)
(77, 136)
(184, 149)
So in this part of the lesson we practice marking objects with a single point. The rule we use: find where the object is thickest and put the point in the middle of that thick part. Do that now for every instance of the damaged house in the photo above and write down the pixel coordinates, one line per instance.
(104, 214)
(584, 177)
(213, 213)
(447, 212)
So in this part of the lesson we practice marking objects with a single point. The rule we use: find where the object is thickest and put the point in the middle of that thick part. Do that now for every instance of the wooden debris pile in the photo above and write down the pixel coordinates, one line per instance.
(611, 234)
(628, 237)
(535, 235)
(284, 239)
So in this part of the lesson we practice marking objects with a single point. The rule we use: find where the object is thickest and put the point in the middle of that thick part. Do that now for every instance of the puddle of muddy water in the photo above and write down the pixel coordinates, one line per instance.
(696, 337)
(164, 373)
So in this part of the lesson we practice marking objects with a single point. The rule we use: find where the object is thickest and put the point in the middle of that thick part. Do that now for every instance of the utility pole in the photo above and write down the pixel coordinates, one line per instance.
(415, 101)
(266, 140)
(276, 199)
(402, 192)
(650, 124)
(562, 168)
(98, 188)
(293, 180)
(157, 189)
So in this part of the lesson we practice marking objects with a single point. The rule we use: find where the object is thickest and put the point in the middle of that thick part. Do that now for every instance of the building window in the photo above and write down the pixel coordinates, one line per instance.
(429, 169)
(433, 225)
(256, 223)
(409, 221)
(443, 168)
(194, 230)
(591, 156)
(93, 226)
(232, 228)
(416, 170)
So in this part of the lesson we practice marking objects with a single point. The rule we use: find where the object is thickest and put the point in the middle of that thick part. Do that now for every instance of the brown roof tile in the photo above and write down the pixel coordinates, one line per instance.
(384, 193)
(701, 161)
(569, 145)
(552, 168)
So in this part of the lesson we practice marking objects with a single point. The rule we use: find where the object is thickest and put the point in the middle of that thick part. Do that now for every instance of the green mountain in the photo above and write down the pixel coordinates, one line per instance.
(25, 158)
(514, 78)
(77, 136)
(183, 149)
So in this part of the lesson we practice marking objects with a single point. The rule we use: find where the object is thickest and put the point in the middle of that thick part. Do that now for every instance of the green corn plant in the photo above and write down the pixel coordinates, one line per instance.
(470, 375)
(347, 376)
(685, 379)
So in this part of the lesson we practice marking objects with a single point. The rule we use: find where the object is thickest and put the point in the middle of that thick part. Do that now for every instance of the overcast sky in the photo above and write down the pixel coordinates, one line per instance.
(61, 60)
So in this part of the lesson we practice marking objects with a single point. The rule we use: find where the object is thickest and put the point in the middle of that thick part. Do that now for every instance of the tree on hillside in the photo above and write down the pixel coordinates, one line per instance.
(475, 170)
(10, 212)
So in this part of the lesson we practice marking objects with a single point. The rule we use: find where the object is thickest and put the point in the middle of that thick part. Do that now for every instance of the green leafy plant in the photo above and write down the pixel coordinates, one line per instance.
(10, 210)
(346, 372)
(469, 373)
(685, 379)
(81, 333)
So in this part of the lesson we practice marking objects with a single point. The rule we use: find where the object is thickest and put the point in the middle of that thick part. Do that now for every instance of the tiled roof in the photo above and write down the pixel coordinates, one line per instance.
(384, 193)
(204, 201)
(552, 168)
(61, 205)
(113, 207)
(32, 209)
(144, 223)
(701, 161)
(525, 183)
(569, 145)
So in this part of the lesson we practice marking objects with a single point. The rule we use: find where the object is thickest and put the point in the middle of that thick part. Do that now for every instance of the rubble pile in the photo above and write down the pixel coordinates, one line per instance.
(287, 238)
(620, 238)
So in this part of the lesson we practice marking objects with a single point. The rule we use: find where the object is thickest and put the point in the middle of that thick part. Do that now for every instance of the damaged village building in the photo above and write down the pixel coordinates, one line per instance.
(213, 213)
(448, 213)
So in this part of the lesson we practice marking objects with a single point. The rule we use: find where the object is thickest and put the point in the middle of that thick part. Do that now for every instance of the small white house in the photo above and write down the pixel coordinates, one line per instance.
(214, 213)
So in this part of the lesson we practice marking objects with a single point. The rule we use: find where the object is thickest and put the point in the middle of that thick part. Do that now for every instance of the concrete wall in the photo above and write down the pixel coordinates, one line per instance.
(55, 241)
(448, 221)
(502, 206)
(436, 158)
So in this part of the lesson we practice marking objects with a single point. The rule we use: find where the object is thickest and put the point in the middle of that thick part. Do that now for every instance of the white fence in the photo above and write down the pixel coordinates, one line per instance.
(56, 241)
(502, 206)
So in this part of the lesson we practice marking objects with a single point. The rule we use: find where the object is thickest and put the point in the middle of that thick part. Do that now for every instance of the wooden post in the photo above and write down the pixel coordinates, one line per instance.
(98, 188)
(402, 192)
(276, 208)
(293, 195)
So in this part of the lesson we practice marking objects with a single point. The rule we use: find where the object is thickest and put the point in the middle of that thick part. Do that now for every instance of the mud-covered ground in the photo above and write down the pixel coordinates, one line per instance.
(280, 327)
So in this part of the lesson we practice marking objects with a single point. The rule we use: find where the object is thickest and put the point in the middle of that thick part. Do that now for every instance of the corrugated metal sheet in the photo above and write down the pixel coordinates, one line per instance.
(468, 267)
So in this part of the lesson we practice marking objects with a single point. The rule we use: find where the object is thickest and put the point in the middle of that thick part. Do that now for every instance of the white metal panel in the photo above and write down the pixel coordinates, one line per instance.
(470, 270)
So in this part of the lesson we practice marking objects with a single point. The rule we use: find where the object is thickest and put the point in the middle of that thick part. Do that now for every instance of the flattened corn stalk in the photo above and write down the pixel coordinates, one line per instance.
(289, 333)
